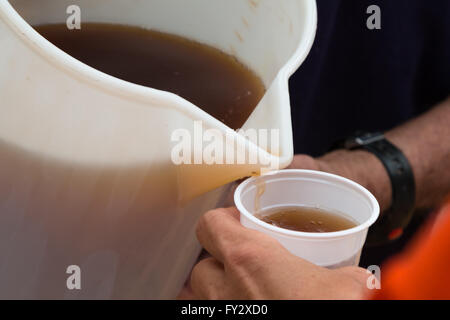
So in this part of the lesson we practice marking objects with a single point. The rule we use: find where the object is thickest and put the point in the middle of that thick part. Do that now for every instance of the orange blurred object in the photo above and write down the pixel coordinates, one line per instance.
(422, 272)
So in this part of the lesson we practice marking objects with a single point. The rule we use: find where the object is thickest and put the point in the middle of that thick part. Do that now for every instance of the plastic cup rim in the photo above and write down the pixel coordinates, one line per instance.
(298, 234)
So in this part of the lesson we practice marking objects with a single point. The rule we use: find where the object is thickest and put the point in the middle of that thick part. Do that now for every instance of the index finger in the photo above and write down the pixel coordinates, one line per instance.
(220, 232)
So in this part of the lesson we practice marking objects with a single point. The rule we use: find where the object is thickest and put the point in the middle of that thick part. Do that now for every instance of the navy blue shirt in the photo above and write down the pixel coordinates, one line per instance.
(361, 79)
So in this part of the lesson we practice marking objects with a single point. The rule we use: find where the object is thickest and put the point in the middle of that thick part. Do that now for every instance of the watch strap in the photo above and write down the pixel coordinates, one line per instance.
(393, 221)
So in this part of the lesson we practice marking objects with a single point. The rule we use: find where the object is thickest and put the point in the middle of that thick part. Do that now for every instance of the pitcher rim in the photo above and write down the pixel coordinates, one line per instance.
(77, 68)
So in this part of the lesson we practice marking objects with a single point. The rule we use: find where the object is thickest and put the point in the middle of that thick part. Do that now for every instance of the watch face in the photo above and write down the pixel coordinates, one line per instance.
(369, 138)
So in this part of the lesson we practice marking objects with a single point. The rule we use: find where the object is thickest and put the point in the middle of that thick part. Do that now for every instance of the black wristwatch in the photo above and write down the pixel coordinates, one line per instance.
(392, 222)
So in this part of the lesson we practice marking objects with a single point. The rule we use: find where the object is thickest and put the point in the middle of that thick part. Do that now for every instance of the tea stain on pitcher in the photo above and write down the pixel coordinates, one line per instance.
(254, 4)
(239, 36)
(245, 22)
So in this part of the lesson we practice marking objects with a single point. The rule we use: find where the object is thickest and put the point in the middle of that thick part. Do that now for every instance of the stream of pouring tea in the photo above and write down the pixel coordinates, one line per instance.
(260, 190)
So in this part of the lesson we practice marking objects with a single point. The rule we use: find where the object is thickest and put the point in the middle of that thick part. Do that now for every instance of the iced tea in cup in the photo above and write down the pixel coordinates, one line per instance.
(258, 197)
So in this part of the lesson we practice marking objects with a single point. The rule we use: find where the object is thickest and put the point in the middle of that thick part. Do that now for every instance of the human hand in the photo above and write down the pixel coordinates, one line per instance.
(247, 264)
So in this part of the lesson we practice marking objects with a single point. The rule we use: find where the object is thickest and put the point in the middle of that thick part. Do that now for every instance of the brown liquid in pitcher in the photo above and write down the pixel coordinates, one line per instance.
(306, 219)
(203, 75)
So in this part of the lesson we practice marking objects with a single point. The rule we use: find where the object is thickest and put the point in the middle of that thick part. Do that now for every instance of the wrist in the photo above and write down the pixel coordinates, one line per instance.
(361, 167)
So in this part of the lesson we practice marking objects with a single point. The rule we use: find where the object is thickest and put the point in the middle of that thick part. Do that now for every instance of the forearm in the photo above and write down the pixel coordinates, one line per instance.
(425, 141)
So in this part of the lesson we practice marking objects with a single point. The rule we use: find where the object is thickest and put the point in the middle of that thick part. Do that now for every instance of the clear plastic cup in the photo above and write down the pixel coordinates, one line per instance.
(312, 189)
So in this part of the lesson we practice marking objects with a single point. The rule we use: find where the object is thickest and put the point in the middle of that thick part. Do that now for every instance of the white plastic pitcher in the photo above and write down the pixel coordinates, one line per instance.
(86, 177)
